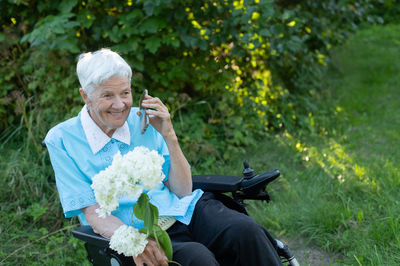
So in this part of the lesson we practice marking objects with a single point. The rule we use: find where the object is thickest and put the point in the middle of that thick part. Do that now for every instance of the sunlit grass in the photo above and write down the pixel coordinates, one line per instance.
(339, 186)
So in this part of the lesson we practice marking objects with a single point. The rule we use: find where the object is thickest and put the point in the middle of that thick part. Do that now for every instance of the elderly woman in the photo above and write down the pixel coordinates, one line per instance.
(202, 230)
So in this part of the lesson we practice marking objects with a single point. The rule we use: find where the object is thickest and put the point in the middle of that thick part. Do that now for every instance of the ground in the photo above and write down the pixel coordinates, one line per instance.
(308, 254)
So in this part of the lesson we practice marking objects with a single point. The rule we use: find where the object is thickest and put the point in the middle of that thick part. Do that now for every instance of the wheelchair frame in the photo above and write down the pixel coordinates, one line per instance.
(250, 186)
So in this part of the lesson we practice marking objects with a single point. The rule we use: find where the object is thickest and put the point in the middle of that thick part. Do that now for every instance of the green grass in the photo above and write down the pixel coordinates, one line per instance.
(340, 185)
(33, 230)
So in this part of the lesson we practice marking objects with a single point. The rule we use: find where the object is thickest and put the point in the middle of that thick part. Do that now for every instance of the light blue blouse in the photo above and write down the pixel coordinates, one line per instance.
(75, 164)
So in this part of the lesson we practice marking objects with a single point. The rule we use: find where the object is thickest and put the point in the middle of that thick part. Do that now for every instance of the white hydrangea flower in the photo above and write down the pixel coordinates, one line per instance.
(128, 240)
(127, 175)
(106, 192)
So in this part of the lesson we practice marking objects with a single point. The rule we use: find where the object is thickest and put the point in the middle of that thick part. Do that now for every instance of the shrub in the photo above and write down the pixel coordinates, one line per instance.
(243, 66)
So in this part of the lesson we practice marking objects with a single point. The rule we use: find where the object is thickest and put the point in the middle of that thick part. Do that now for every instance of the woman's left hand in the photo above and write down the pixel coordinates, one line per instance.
(159, 118)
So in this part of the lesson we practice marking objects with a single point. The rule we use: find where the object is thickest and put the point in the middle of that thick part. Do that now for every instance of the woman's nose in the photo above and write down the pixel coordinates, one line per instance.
(118, 103)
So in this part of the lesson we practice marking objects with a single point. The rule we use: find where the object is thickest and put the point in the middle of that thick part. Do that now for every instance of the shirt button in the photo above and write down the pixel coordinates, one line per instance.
(112, 141)
(105, 149)
(108, 159)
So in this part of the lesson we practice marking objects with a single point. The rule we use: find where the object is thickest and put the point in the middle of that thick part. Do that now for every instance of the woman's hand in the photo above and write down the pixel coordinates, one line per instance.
(151, 255)
(159, 118)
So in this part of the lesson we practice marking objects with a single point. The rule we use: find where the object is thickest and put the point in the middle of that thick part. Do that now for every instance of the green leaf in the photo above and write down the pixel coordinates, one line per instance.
(70, 45)
(127, 46)
(149, 218)
(165, 241)
(52, 30)
(67, 5)
(189, 41)
(139, 209)
(36, 210)
(86, 18)
(152, 44)
(132, 17)
(152, 25)
(154, 209)
(137, 64)
(265, 32)
(148, 7)
(147, 212)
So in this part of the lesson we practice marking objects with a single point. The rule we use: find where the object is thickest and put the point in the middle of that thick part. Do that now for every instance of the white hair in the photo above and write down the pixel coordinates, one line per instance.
(97, 67)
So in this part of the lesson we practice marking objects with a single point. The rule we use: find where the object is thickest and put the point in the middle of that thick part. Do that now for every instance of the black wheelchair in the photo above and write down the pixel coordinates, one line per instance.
(248, 187)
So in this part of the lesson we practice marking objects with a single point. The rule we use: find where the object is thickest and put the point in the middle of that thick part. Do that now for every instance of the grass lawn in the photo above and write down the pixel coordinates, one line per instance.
(340, 185)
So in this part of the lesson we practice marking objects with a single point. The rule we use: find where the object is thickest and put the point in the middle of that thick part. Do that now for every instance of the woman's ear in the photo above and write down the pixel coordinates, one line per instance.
(85, 97)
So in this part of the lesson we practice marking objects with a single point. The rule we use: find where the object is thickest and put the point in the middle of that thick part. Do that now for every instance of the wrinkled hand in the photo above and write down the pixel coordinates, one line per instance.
(159, 118)
(151, 255)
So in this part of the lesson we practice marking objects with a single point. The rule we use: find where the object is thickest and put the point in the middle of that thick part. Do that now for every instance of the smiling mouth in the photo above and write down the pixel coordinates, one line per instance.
(117, 113)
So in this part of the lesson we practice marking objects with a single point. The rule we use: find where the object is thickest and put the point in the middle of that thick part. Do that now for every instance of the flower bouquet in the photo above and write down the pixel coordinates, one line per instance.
(128, 175)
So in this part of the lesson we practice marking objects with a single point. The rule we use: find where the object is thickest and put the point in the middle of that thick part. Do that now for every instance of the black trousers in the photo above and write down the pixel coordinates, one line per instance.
(218, 235)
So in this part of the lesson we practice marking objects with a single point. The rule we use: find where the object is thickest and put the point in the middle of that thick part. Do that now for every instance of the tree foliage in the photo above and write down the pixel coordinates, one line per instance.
(228, 70)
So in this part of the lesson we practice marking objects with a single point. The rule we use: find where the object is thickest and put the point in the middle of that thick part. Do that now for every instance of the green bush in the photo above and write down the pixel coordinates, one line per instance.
(386, 10)
(242, 66)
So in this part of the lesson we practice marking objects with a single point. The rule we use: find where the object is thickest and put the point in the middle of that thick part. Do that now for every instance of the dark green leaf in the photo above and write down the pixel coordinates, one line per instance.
(152, 44)
(165, 241)
(148, 7)
(149, 218)
(139, 209)
(70, 45)
(67, 5)
(151, 25)
(132, 17)
(265, 32)
(137, 64)
(129, 46)
(86, 18)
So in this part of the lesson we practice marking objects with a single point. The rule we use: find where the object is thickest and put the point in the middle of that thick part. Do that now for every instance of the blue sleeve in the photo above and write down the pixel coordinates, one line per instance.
(166, 166)
(72, 184)
(163, 150)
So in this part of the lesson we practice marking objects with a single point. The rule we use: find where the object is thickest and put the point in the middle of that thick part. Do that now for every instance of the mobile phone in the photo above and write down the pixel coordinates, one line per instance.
(144, 118)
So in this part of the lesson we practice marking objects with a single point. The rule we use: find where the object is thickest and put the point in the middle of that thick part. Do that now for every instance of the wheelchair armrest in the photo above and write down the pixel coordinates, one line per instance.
(217, 183)
(260, 181)
(85, 233)
(255, 188)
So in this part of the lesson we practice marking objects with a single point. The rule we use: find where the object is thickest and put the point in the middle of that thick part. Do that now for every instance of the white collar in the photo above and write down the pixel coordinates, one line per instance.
(97, 139)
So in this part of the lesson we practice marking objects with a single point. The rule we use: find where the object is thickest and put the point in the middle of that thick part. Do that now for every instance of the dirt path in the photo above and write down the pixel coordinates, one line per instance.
(306, 254)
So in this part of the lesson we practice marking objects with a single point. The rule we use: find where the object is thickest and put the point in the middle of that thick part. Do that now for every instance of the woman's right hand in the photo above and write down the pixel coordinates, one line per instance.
(151, 255)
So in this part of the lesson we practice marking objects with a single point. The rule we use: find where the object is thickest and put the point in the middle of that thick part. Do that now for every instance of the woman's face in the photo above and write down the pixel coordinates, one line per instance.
(110, 103)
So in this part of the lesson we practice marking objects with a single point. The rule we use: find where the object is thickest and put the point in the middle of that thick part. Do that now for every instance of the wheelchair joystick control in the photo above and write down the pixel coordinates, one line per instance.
(247, 172)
